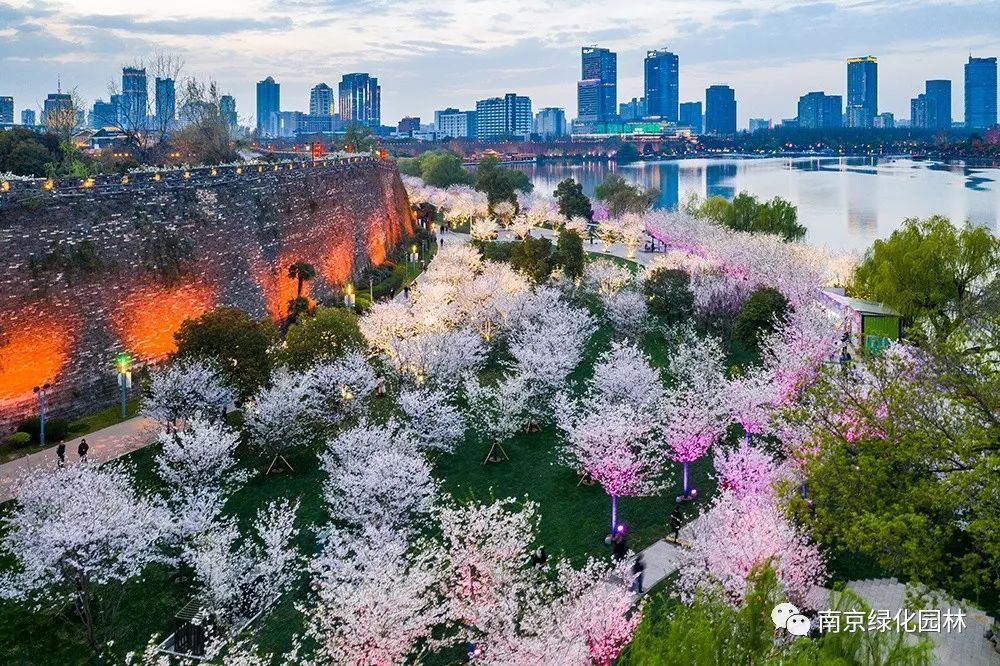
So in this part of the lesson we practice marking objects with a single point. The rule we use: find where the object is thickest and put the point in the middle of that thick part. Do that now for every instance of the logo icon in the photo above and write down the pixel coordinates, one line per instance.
(786, 616)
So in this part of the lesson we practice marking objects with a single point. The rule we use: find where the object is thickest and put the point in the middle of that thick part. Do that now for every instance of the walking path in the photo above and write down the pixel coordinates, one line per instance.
(105, 444)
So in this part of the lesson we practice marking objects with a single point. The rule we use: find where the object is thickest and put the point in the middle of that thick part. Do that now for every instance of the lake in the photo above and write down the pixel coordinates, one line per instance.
(845, 203)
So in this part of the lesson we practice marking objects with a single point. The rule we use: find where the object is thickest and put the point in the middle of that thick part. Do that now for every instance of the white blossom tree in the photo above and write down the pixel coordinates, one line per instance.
(483, 230)
(75, 537)
(434, 358)
(240, 578)
(624, 375)
(496, 411)
(432, 419)
(605, 277)
(376, 601)
(278, 416)
(628, 312)
(376, 477)
(337, 389)
(184, 388)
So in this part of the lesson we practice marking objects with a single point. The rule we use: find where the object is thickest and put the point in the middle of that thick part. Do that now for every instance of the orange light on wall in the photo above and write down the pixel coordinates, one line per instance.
(32, 352)
(147, 318)
(338, 260)
(278, 288)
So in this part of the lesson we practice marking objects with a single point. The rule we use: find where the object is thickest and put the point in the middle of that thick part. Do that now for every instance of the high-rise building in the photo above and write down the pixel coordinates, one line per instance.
(550, 123)
(819, 110)
(862, 91)
(918, 111)
(597, 90)
(499, 117)
(758, 124)
(321, 100)
(57, 111)
(938, 104)
(268, 107)
(408, 125)
(885, 120)
(720, 110)
(980, 93)
(286, 124)
(6, 111)
(454, 123)
(166, 103)
(360, 99)
(103, 114)
(227, 111)
(28, 117)
(135, 98)
(662, 85)
(635, 109)
(690, 116)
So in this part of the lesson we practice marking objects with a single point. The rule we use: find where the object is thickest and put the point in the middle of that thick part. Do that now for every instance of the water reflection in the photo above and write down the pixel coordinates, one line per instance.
(844, 202)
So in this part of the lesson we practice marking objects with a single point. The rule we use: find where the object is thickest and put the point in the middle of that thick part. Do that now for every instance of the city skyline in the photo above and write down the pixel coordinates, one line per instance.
(419, 75)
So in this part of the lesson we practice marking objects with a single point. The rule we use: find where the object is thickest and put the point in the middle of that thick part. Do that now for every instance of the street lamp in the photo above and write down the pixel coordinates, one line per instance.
(123, 364)
(41, 392)
(349, 296)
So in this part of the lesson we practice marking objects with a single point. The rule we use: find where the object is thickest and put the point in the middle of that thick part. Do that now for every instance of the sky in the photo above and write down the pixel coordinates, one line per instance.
(431, 54)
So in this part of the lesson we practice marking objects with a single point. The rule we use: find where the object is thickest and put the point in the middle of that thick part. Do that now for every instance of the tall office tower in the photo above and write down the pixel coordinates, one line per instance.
(28, 117)
(57, 111)
(938, 111)
(499, 117)
(720, 110)
(690, 116)
(166, 102)
(759, 124)
(662, 85)
(635, 109)
(819, 110)
(454, 123)
(597, 90)
(918, 111)
(103, 114)
(321, 101)
(885, 120)
(980, 93)
(6, 111)
(268, 107)
(227, 111)
(550, 123)
(360, 99)
(135, 97)
(862, 91)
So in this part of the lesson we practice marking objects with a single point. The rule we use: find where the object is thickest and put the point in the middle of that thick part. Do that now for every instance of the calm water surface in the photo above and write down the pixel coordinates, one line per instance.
(846, 203)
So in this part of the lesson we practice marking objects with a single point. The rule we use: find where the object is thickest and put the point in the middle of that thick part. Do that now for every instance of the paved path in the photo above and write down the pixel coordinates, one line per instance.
(105, 444)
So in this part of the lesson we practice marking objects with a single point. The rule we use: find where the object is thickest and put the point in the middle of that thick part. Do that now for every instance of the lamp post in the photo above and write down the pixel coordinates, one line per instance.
(414, 258)
(41, 392)
(350, 298)
(123, 364)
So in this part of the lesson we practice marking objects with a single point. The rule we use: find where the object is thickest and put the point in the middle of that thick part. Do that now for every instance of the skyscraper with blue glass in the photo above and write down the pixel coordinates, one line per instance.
(597, 90)
(720, 110)
(662, 90)
(980, 93)
(862, 91)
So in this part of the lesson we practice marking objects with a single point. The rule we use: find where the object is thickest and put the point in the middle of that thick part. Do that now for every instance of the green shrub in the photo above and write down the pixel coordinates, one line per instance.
(18, 439)
(669, 293)
(764, 308)
(533, 257)
(328, 334)
(55, 429)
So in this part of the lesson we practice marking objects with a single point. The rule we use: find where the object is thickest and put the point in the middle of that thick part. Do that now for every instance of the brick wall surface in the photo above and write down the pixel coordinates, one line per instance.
(91, 270)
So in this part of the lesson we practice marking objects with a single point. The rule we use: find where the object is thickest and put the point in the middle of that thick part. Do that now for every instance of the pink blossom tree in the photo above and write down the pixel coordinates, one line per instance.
(746, 471)
(736, 534)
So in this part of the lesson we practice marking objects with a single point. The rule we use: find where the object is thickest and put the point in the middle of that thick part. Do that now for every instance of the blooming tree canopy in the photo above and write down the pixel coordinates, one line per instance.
(278, 417)
(432, 419)
(182, 389)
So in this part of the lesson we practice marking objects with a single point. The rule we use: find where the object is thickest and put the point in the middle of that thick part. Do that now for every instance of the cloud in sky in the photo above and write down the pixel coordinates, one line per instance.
(429, 54)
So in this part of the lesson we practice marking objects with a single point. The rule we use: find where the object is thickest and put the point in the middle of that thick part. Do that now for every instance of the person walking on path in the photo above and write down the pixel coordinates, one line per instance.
(82, 450)
(676, 520)
(638, 568)
(620, 547)
(61, 454)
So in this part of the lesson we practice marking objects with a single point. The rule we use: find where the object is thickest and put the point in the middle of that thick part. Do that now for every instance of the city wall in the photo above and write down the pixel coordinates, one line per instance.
(96, 267)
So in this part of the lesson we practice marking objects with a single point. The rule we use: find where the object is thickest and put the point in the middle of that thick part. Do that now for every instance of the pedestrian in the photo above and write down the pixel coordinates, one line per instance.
(406, 292)
(539, 557)
(82, 450)
(441, 242)
(61, 454)
(638, 569)
(676, 520)
(620, 548)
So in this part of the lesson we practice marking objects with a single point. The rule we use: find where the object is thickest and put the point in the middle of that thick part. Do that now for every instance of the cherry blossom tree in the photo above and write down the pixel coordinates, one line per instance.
(432, 419)
(587, 617)
(75, 537)
(375, 477)
(628, 312)
(616, 447)
(337, 389)
(577, 225)
(376, 601)
(505, 212)
(184, 388)
(631, 232)
(609, 233)
(437, 357)
(386, 322)
(496, 411)
(483, 230)
(239, 579)
(746, 471)
(520, 227)
(693, 412)
(605, 277)
(734, 535)
(793, 354)
(278, 417)
(488, 300)
(624, 375)
(484, 548)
